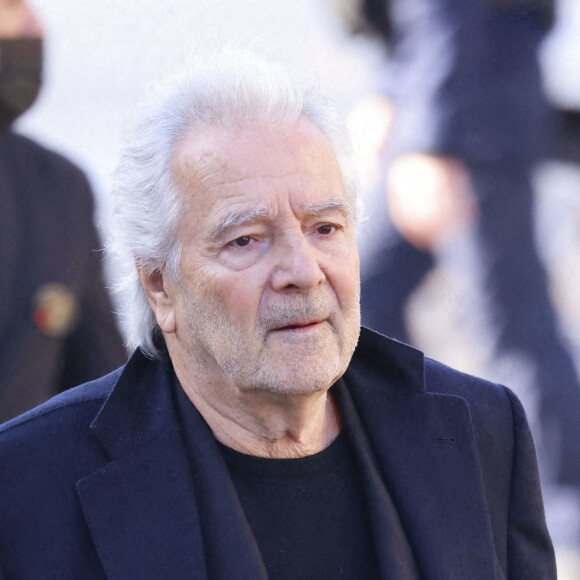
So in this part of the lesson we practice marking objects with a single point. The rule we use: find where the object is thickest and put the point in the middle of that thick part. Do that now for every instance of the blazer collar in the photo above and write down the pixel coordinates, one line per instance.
(139, 408)
(395, 367)
(425, 448)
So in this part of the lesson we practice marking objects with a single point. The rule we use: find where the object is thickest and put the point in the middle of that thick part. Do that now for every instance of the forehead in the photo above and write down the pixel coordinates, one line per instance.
(216, 169)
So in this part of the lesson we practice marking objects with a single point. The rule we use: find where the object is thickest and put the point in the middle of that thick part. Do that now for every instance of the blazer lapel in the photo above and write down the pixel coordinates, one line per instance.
(141, 508)
(425, 447)
(394, 554)
(231, 549)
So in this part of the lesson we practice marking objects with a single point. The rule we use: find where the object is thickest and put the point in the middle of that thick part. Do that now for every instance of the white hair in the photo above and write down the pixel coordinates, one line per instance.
(232, 88)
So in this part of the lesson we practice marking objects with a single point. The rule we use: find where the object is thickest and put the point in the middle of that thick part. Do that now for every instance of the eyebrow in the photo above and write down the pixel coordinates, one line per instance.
(334, 204)
(236, 219)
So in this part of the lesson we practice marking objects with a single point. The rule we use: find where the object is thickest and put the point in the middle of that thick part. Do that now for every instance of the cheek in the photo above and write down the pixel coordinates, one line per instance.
(344, 276)
(232, 296)
(239, 298)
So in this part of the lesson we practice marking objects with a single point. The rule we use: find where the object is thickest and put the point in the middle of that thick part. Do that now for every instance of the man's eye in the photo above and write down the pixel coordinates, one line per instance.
(326, 229)
(241, 242)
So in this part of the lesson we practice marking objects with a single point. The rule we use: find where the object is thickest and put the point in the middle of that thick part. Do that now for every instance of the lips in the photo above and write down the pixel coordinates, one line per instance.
(299, 325)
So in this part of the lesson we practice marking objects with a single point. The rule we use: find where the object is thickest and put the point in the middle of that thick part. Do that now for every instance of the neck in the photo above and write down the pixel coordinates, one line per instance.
(296, 429)
(265, 424)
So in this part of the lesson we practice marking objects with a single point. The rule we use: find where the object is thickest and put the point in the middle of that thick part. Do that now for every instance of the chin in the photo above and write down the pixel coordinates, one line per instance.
(300, 378)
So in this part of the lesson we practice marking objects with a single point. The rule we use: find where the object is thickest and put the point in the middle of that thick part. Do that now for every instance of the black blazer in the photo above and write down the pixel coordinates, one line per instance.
(96, 483)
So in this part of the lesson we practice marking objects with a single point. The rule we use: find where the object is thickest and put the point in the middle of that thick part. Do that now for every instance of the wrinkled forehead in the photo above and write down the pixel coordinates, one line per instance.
(219, 161)
(210, 144)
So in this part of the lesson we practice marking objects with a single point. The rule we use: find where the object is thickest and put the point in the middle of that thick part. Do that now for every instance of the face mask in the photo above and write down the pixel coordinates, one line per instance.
(20, 76)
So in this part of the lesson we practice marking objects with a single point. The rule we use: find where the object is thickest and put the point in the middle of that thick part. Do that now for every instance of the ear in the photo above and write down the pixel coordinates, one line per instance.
(160, 294)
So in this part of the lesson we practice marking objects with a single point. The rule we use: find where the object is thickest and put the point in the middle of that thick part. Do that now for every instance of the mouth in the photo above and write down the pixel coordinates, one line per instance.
(299, 326)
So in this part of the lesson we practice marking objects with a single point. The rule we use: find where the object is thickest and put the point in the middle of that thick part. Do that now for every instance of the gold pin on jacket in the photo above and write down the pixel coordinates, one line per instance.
(55, 309)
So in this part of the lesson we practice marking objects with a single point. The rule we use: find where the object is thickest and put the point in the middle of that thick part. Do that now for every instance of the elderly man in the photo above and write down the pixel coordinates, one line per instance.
(257, 431)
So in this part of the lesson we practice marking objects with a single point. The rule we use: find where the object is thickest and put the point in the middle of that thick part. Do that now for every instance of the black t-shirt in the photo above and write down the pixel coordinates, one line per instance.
(308, 515)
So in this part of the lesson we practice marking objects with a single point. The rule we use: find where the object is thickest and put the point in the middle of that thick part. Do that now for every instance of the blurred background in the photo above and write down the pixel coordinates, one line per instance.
(102, 55)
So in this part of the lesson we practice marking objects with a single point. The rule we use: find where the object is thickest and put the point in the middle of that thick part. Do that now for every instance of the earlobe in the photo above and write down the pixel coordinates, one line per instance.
(159, 295)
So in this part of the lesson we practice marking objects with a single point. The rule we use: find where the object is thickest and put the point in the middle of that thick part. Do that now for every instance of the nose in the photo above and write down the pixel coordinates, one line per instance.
(297, 265)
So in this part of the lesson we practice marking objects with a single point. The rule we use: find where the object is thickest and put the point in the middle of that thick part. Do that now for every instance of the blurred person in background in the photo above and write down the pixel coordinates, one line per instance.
(57, 328)
(469, 123)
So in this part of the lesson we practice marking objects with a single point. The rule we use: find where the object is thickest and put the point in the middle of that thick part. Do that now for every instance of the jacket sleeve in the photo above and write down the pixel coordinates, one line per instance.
(530, 551)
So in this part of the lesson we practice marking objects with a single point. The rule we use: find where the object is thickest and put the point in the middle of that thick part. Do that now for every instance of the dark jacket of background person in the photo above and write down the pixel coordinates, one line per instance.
(464, 76)
(57, 328)
(97, 482)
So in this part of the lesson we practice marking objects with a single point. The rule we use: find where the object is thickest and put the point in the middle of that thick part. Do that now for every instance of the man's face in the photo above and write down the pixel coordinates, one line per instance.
(18, 20)
(268, 296)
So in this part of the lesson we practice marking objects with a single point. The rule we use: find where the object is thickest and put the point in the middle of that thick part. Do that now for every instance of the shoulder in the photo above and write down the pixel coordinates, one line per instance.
(61, 422)
(393, 366)
(43, 454)
(46, 450)
(477, 392)
(497, 415)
